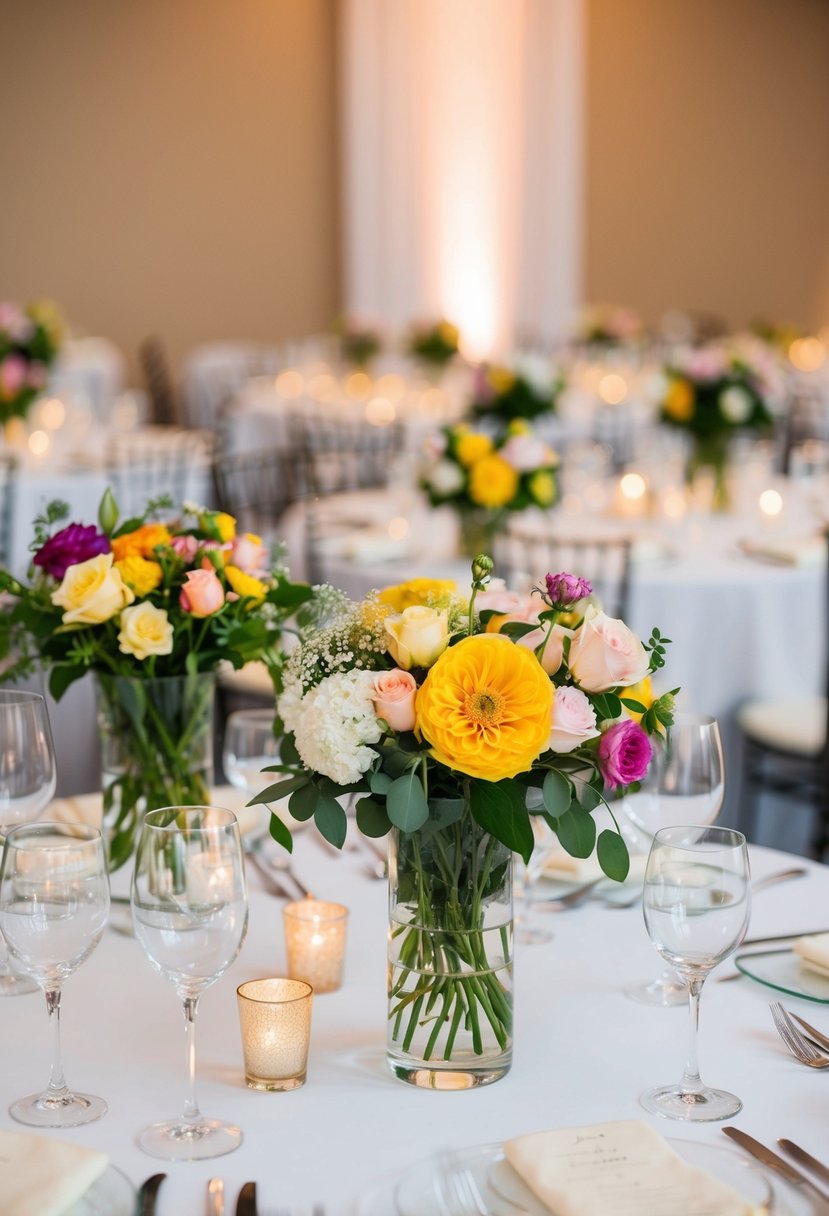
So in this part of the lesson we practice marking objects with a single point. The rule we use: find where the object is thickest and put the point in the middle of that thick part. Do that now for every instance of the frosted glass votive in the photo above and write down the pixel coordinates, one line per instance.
(275, 1017)
(315, 941)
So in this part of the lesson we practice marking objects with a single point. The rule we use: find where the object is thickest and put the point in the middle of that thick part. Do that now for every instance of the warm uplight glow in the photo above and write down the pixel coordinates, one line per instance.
(380, 411)
(358, 385)
(52, 413)
(633, 485)
(807, 354)
(289, 383)
(323, 387)
(613, 388)
(771, 502)
(398, 528)
(391, 386)
(39, 443)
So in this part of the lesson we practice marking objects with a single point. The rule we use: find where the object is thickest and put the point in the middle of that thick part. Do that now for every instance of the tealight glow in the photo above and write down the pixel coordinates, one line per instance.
(289, 383)
(380, 411)
(633, 485)
(613, 388)
(807, 354)
(39, 443)
(358, 385)
(398, 528)
(52, 413)
(771, 502)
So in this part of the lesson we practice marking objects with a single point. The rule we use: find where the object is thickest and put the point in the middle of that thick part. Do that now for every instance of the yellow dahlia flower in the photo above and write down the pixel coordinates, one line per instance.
(142, 575)
(417, 591)
(542, 487)
(679, 400)
(485, 708)
(471, 446)
(492, 482)
(245, 584)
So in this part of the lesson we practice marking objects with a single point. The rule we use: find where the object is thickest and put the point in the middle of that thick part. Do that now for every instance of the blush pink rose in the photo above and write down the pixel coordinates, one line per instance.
(553, 653)
(573, 720)
(249, 554)
(393, 694)
(12, 375)
(526, 452)
(185, 546)
(202, 593)
(508, 603)
(605, 654)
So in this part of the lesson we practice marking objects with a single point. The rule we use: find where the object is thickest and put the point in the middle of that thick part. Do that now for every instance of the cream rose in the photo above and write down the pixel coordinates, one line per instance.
(553, 653)
(92, 592)
(145, 630)
(605, 653)
(573, 720)
(393, 694)
(416, 636)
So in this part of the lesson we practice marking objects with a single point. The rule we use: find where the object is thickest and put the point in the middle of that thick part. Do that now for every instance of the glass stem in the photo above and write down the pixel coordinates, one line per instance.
(691, 1082)
(191, 1106)
(57, 1085)
(5, 967)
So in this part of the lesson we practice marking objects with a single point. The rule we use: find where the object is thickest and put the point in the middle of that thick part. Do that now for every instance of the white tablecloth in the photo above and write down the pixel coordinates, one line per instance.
(583, 1051)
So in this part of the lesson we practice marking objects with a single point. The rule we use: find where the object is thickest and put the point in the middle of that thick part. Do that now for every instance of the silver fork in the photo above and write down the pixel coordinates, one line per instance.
(572, 899)
(798, 1045)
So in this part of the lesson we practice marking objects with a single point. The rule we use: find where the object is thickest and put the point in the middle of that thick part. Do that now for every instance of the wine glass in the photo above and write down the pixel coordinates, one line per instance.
(528, 932)
(686, 785)
(697, 904)
(54, 904)
(190, 912)
(27, 785)
(249, 746)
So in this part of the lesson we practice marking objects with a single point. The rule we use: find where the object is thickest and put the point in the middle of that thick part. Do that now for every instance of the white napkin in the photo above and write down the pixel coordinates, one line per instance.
(814, 952)
(44, 1177)
(791, 551)
(617, 1169)
(561, 866)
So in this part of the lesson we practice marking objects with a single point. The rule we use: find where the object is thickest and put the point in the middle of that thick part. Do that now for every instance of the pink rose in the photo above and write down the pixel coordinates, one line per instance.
(553, 653)
(573, 720)
(202, 593)
(604, 653)
(185, 546)
(508, 603)
(249, 554)
(565, 589)
(393, 694)
(526, 452)
(12, 375)
(624, 754)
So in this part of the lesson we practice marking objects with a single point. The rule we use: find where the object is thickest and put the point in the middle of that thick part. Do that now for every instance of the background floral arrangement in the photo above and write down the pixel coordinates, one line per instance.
(609, 325)
(435, 342)
(30, 339)
(470, 470)
(522, 387)
(360, 340)
(723, 387)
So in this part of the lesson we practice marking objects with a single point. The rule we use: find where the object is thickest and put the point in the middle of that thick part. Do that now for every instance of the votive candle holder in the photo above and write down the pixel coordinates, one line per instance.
(275, 1019)
(315, 941)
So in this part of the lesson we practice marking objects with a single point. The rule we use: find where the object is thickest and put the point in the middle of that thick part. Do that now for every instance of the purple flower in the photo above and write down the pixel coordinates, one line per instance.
(624, 754)
(73, 544)
(565, 589)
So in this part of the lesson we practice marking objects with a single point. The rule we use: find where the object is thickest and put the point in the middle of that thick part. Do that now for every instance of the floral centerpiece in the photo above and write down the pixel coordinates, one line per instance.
(523, 387)
(453, 721)
(434, 342)
(151, 605)
(609, 325)
(484, 478)
(30, 339)
(717, 390)
(360, 340)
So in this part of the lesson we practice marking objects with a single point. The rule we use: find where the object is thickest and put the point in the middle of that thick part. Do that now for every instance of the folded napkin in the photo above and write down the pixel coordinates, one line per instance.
(791, 551)
(617, 1169)
(561, 866)
(814, 952)
(44, 1177)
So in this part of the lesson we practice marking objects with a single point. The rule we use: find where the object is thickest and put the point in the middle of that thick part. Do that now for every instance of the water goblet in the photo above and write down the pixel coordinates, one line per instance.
(27, 786)
(54, 904)
(249, 746)
(527, 930)
(190, 913)
(686, 785)
(697, 903)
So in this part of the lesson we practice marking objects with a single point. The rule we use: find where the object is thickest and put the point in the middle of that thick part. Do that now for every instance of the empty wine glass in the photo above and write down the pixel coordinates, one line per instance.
(27, 785)
(686, 785)
(528, 931)
(54, 904)
(190, 912)
(249, 746)
(697, 904)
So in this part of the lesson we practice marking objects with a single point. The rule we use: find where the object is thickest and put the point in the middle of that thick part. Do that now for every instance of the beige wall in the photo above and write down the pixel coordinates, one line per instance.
(169, 165)
(708, 156)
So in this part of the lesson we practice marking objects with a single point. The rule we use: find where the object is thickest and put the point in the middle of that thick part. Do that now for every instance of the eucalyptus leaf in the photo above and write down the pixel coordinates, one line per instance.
(372, 819)
(331, 821)
(379, 782)
(613, 855)
(303, 802)
(280, 833)
(406, 803)
(443, 812)
(557, 793)
(499, 807)
(576, 831)
(281, 789)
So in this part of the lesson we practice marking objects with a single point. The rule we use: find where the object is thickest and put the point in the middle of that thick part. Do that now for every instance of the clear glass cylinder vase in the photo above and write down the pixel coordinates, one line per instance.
(450, 956)
(156, 750)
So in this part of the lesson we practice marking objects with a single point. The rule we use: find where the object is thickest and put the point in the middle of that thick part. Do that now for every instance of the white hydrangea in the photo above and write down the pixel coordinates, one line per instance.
(333, 724)
(736, 404)
(446, 478)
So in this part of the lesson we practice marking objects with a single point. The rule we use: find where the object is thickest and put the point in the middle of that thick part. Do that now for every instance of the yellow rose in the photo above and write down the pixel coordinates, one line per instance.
(141, 542)
(492, 482)
(485, 708)
(92, 592)
(142, 575)
(471, 446)
(145, 630)
(449, 333)
(542, 487)
(416, 636)
(226, 525)
(245, 584)
(500, 380)
(417, 591)
(679, 400)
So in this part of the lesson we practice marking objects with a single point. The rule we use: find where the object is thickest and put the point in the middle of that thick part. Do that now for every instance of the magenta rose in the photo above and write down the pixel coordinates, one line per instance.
(73, 544)
(565, 589)
(624, 754)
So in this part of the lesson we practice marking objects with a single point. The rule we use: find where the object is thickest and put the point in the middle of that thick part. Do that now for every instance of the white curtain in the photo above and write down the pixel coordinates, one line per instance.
(462, 132)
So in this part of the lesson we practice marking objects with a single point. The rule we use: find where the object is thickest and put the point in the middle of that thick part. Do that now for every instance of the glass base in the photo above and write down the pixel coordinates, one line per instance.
(71, 1110)
(447, 1078)
(179, 1140)
(703, 1106)
(274, 1085)
(662, 992)
(12, 984)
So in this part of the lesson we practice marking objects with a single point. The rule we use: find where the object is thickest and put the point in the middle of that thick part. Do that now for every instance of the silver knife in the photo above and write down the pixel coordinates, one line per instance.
(817, 1036)
(803, 1158)
(773, 1162)
(246, 1203)
(147, 1194)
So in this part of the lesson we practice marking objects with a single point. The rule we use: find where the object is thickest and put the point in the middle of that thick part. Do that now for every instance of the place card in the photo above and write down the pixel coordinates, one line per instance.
(617, 1169)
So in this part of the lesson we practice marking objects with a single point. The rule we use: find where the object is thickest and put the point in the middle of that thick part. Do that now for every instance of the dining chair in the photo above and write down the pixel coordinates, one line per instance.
(523, 556)
(806, 417)
(255, 487)
(155, 461)
(785, 751)
(219, 383)
(165, 407)
(8, 485)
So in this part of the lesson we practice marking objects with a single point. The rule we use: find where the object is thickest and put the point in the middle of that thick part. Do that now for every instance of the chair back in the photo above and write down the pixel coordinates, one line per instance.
(255, 487)
(154, 462)
(523, 556)
(165, 409)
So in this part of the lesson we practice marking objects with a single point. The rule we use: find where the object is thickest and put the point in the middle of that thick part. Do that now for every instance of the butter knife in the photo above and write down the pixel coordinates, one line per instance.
(773, 1162)
(147, 1194)
(803, 1158)
(246, 1203)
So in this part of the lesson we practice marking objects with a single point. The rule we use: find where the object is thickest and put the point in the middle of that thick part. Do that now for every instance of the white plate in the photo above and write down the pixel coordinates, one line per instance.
(412, 1192)
(112, 1195)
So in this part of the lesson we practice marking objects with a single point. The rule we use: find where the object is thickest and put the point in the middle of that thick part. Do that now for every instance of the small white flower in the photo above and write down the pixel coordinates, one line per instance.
(445, 478)
(736, 404)
(333, 724)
